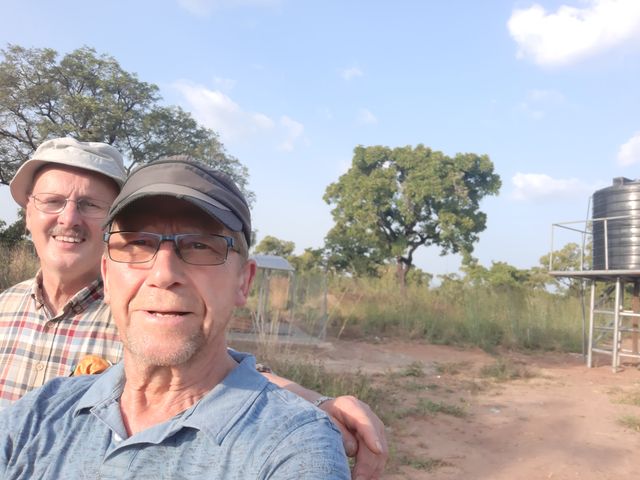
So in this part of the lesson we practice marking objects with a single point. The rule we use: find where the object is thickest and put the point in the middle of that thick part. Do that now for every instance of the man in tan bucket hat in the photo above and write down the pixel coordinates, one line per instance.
(48, 323)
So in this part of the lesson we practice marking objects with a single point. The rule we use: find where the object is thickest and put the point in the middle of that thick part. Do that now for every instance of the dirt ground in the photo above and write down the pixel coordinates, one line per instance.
(562, 422)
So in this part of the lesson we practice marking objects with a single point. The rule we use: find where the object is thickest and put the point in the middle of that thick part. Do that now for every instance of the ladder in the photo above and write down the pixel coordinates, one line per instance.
(619, 323)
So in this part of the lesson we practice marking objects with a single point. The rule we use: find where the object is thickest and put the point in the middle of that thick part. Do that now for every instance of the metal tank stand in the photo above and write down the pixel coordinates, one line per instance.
(613, 328)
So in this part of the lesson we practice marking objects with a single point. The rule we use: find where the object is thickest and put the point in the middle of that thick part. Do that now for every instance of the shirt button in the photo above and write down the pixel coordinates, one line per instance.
(40, 366)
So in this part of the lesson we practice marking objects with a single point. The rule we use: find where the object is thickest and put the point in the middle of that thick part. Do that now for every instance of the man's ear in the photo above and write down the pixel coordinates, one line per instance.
(247, 274)
(103, 272)
(27, 217)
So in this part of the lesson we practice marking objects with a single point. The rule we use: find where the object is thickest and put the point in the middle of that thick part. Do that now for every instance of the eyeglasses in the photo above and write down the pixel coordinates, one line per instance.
(54, 203)
(192, 248)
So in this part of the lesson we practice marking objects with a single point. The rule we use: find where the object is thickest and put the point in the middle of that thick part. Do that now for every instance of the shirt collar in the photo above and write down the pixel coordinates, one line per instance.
(107, 388)
(228, 401)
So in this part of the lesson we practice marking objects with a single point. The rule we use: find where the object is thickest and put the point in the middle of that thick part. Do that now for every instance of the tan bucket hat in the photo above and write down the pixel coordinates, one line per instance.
(95, 156)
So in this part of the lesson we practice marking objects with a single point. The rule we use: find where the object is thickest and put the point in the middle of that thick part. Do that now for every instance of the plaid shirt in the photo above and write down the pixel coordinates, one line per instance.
(36, 345)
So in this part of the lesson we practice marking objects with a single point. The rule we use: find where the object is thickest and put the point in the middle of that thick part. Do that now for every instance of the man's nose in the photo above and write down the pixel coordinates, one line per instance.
(70, 215)
(167, 268)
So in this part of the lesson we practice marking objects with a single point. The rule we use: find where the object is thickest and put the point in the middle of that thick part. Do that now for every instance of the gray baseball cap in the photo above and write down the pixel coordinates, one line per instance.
(187, 179)
(94, 156)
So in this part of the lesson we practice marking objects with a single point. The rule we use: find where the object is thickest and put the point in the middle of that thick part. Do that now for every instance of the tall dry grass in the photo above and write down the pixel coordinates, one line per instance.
(19, 262)
(512, 317)
(487, 317)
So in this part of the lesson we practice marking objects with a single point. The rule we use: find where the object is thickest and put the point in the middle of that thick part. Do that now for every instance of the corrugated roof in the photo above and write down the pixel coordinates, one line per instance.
(273, 262)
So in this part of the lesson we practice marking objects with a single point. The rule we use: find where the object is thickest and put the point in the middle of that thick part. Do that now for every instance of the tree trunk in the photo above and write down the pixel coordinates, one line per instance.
(401, 273)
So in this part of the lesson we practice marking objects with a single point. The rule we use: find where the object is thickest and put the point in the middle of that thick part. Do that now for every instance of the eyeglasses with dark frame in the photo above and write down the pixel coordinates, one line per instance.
(191, 248)
(54, 203)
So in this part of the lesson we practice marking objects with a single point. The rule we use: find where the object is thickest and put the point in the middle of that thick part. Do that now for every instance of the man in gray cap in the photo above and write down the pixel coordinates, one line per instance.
(180, 404)
(49, 323)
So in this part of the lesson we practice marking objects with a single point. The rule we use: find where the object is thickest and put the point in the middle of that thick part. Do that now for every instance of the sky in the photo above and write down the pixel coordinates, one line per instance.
(548, 90)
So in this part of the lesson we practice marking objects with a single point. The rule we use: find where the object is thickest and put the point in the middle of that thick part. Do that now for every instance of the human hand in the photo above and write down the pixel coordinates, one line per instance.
(363, 435)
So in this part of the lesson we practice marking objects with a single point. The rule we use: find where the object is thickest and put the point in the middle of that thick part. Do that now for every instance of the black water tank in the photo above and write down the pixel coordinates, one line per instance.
(622, 199)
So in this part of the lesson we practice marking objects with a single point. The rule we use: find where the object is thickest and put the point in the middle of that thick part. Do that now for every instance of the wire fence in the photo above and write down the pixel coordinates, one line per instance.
(284, 306)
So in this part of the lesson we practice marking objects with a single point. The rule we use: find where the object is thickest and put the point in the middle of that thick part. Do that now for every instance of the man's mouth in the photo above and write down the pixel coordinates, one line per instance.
(166, 314)
(67, 239)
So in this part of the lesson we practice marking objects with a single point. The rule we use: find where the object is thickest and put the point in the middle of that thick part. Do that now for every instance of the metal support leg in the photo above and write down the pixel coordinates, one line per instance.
(592, 307)
(616, 327)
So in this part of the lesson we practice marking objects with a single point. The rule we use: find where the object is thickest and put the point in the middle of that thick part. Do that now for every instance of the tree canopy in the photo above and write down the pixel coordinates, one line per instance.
(393, 201)
(270, 245)
(90, 97)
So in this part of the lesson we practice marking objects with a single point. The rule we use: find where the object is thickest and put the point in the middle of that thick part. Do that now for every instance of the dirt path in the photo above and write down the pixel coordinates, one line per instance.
(562, 423)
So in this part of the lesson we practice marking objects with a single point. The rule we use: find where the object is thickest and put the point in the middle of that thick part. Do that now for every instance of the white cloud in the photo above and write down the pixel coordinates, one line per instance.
(294, 132)
(629, 152)
(203, 8)
(538, 101)
(365, 117)
(571, 33)
(539, 186)
(351, 73)
(217, 111)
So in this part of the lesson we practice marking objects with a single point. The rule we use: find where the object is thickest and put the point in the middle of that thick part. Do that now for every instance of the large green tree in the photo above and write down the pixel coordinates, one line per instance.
(570, 258)
(90, 97)
(394, 200)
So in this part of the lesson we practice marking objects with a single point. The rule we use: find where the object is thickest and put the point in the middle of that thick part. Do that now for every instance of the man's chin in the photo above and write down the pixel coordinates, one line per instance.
(71, 264)
(163, 352)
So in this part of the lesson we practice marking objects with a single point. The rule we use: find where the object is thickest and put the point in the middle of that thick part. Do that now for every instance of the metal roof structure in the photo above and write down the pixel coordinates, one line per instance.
(273, 262)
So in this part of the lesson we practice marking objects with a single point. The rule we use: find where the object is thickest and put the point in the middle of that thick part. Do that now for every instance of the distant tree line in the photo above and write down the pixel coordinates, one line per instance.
(390, 202)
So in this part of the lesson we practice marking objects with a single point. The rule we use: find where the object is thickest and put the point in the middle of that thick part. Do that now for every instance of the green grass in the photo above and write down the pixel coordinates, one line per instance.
(315, 377)
(452, 368)
(629, 398)
(503, 370)
(631, 422)
(415, 369)
(429, 407)
(426, 464)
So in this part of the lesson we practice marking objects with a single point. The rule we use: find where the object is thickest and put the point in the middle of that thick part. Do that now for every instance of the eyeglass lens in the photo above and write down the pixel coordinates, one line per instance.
(54, 203)
(196, 249)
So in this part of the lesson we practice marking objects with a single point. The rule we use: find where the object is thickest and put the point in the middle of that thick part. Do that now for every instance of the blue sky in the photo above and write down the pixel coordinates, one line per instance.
(549, 90)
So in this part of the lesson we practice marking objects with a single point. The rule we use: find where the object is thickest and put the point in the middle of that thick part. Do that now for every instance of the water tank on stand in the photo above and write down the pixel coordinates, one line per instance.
(622, 242)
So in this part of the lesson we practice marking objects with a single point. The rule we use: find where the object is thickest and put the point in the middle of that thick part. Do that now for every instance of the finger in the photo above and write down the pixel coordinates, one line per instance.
(359, 419)
(348, 440)
(367, 425)
(369, 465)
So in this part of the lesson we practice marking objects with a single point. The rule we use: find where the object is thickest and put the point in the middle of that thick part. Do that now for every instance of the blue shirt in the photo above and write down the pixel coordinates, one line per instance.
(244, 428)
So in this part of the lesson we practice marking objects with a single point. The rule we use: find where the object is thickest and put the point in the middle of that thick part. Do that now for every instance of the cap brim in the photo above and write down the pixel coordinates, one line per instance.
(215, 209)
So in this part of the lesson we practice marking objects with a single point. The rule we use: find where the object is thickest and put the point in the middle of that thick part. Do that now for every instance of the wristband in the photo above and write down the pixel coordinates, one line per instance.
(320, 400)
